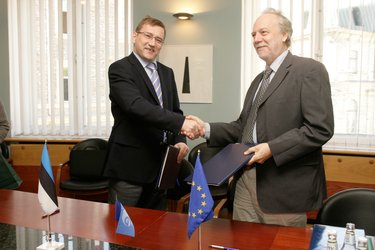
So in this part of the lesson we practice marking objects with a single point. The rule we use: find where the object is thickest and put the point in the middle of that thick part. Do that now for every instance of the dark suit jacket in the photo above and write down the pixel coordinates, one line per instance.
(135, 151)
(295, 119)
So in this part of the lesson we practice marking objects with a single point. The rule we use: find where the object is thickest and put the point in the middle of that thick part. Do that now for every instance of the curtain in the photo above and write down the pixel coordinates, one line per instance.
(59, 56)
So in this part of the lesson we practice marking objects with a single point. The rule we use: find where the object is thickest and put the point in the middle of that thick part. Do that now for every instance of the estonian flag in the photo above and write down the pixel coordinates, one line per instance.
(47, 189)
(201, 202)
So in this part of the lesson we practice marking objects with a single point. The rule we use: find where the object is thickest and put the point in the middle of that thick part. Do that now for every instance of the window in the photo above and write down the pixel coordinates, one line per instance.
(340, 34)
(59, 56)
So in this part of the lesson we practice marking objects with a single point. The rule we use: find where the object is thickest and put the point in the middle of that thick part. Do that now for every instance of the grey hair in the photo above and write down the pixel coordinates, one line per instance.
(284, 24)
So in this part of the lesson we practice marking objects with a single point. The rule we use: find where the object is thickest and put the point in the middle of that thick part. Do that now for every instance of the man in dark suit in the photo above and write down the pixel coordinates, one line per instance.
(289, 124)
(147, 117)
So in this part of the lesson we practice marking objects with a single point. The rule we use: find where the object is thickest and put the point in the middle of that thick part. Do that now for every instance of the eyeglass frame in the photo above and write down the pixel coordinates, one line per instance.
(149, 36)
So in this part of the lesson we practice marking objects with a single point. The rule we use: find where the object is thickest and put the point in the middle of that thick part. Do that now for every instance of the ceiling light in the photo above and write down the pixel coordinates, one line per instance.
(183, 16)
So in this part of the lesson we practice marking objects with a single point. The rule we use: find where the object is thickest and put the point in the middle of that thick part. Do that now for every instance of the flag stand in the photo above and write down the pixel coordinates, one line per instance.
(50, 244)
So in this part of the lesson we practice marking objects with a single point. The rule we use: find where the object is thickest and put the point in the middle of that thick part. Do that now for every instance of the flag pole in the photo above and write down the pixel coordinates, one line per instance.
(49, 236)
(199, 238)
(199, 228)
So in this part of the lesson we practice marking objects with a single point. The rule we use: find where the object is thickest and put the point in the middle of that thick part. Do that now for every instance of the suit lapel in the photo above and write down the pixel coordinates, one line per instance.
(280, 75)
(251, 93)
(163, 85)
(138, 66)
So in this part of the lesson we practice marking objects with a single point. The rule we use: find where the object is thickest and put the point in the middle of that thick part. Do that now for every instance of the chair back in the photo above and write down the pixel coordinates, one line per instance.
(355, 205)
(206, 153)
(87, 159)
(181, 187)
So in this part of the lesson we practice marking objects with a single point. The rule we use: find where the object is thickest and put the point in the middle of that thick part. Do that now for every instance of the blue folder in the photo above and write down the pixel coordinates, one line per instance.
(224, 164)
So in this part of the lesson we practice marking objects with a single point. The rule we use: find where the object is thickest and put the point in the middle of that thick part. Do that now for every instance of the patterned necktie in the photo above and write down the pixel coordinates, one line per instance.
(249, 127)
(154, 77)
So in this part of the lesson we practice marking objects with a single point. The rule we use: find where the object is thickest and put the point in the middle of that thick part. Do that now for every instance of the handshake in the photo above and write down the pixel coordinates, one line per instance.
(193, 127)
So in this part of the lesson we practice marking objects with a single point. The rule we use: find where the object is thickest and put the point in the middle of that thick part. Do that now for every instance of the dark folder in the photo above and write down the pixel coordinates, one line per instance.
(224, 164)
(169, 170)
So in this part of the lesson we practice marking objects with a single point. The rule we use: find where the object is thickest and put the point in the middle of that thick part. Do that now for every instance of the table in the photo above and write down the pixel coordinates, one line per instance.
(154, 229)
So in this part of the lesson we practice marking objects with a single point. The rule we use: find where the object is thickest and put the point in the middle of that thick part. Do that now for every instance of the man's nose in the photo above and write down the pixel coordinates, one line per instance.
(257, 38)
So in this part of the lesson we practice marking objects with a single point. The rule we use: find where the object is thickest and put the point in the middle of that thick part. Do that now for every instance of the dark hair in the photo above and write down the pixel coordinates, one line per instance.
(151, 21)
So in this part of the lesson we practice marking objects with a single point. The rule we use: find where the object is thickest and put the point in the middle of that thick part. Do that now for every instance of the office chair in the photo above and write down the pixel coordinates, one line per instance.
(224, 209)
(82, 176)
(206, 153)
(356, 205)
(182, 188)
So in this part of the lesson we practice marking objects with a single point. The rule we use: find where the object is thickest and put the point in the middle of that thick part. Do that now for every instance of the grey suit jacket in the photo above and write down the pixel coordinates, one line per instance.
(295, 118)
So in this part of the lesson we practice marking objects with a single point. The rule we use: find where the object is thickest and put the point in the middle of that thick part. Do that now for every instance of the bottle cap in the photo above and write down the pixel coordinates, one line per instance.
(332, 235)
(362, 242)
(350, 226)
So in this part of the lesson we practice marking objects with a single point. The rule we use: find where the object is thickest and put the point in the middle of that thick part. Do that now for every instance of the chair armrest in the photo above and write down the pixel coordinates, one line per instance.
(181, 202)
(59, 175)
(219, 207)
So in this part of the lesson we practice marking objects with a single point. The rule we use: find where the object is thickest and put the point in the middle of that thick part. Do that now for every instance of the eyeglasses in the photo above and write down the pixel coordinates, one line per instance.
(150, 36)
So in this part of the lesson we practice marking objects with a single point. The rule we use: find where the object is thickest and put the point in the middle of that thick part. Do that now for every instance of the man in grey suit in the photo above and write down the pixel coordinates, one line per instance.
(147, 117)
(289, 124)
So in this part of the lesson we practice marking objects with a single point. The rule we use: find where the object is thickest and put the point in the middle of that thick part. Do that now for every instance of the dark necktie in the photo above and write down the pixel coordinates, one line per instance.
(154, 77)
(247, 136)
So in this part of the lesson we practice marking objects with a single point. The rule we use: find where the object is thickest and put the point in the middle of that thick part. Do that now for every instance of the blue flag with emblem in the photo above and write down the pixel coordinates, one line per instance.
(125, 225)
(201, 202)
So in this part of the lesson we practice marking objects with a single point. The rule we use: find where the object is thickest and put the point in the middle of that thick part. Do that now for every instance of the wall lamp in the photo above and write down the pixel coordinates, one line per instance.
(183, 16)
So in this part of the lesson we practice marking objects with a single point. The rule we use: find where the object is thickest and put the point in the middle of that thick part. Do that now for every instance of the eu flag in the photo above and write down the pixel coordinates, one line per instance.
(201, 202)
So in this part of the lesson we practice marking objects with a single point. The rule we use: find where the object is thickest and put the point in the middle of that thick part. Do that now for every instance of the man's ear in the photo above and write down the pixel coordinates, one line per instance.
(134, 36)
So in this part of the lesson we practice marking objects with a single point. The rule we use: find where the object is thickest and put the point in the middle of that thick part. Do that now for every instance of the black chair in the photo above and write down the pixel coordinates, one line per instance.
(182, 188)
(355, 205)
(224, 209)
(84, 172)
(206, 153)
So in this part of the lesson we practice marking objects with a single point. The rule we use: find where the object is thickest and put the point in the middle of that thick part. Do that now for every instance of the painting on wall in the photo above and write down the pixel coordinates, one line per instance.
(192, 66)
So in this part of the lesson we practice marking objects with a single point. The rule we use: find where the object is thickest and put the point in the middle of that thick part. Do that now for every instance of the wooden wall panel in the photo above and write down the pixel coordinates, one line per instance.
(30, 154)
(353, 169)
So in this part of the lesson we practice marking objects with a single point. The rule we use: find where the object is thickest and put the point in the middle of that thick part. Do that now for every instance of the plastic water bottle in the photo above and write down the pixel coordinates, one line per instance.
(349, 241)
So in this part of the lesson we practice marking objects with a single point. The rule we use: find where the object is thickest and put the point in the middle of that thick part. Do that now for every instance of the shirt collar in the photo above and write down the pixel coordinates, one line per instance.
(142, 61)
(278, 61)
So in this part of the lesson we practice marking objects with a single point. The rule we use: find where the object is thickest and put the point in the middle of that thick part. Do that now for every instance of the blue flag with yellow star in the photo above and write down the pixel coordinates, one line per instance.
(201, 202)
